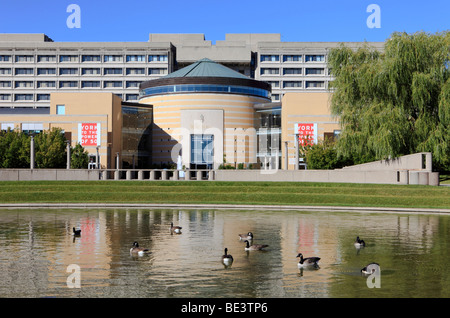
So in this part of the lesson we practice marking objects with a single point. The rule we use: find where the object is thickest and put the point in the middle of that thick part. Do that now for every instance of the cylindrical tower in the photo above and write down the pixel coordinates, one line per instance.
(205, 113)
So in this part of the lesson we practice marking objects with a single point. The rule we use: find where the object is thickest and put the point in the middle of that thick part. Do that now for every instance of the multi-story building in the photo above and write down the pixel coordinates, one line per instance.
(32, 65)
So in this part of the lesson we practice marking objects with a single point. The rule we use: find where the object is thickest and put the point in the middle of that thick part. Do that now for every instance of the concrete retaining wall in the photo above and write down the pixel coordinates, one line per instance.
(412, 169)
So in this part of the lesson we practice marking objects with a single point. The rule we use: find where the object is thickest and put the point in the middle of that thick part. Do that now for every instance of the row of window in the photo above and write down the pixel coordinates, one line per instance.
(46, 97)
(205, 88)
(292, 71)
(84, 58)
(63, 84)
(293, 58)
(84, 71)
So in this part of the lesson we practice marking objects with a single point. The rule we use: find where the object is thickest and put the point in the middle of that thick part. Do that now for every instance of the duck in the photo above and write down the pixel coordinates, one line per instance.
(370, 269)
(175, 229)
(309, 261)
(359, 242)
(248, 236)
(135, 249)
(227, 259)
(255, 247)
(76, 232)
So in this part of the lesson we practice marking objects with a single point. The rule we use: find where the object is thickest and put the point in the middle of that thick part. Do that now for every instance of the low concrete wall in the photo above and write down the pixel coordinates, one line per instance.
(412, 169)
(48, 174)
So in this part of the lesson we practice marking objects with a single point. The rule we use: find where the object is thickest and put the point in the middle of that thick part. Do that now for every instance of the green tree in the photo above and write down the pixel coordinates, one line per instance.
(14, 149)
(395, 102)
(79, 157)
(323, 155)
(50, 149)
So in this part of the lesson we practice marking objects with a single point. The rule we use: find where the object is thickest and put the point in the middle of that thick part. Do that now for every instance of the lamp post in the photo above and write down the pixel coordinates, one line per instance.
(68, 154)
(97, 160)
(32, 152)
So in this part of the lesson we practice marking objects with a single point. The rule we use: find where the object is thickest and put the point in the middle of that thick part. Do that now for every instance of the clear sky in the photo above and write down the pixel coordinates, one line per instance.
(295, 20)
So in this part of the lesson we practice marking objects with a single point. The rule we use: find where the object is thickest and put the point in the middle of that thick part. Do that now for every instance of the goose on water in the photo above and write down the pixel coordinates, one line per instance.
(175, 229)
(370, 269)
(309, 261)
(76, 232)
(248, 236)
(359, 242)
(227, 259)
(254, 247)
(136, 250)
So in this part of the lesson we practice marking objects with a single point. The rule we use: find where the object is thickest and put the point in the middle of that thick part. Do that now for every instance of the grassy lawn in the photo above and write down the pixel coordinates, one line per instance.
(210, 192)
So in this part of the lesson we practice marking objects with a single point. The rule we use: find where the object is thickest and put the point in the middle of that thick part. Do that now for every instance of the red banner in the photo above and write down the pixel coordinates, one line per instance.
(307, 133)
(89, 134)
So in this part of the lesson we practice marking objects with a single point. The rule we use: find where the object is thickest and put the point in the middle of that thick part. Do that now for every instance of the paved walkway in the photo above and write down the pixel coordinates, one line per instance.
(226, 207)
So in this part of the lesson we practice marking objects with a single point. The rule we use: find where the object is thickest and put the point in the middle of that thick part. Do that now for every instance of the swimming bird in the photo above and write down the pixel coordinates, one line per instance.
(76, 232)
(227, 259)
(370, 269)
(248, 236)
(359, 243)
(138, 250)
(309, 261)
(175, 229)
(255, 247)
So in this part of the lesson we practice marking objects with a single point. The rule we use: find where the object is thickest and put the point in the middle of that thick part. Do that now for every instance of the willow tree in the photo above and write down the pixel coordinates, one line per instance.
(394, 102)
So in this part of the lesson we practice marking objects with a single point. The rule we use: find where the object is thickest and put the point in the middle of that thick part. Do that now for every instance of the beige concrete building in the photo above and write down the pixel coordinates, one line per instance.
(98, 121)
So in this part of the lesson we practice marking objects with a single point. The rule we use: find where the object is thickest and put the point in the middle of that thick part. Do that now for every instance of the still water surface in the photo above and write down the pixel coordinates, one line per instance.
(37, 247)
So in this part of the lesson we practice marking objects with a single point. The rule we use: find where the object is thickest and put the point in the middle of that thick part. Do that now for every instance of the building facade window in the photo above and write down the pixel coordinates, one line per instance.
(270, 58)
(135, 71)
(292, 58)
(135, 58)
(111, 84)
(292, 84)
(315, 84)
(24, 71)
(157, 71)
(5, 71)
(157, 58)
(90, 71)
(270, 71)
(46, 84)
(5, 97)
(112, 58)
(292, 71)
(32, 128)
(90, 84)
(5, 58)
(202, 150)
(112, 71)
(68, 58)
(91, 58)
(46, 71)
(5, 84)
(315, 58)
(24, 58)
(60, 109)
(43, 97)
(132, 84)
(23, 97)
(68, 84)
(314, 71)
(23, 84)
(46, 58)
(68, 71)
(131, 97)
(6, 126)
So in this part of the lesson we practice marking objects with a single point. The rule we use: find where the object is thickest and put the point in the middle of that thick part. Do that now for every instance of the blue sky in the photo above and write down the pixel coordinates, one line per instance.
(295, 20)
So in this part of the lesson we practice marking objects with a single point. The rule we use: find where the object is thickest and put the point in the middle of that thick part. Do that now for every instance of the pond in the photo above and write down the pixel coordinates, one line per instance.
(39, 256)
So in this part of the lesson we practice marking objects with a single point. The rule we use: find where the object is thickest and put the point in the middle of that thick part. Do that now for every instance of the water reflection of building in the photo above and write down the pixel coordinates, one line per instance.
(39, 247)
